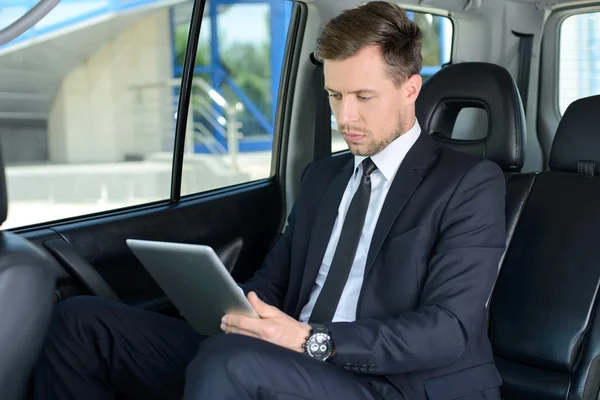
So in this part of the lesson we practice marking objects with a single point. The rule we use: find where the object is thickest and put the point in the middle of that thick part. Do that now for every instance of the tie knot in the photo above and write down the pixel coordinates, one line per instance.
(368, 166)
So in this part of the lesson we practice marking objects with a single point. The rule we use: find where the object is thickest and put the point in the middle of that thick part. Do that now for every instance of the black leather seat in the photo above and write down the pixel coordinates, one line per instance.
(544, 316)
(26, 284)
(491, 88)
(478, 85)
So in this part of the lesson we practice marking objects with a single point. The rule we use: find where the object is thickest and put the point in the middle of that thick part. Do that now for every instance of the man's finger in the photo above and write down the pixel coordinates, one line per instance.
(233, 330)
(243, 323)
(262, 309)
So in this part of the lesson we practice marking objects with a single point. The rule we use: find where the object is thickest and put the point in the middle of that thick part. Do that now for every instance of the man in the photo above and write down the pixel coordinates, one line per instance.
(377, 288)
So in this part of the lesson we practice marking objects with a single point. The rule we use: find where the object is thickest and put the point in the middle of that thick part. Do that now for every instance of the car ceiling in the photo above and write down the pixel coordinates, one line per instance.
(330, 8)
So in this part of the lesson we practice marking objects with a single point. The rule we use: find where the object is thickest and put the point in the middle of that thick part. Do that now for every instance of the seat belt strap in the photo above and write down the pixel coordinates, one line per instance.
(322, 132)
(525, 50)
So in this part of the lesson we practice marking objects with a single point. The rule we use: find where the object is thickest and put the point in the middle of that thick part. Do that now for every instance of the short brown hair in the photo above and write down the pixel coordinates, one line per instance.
(377, 23)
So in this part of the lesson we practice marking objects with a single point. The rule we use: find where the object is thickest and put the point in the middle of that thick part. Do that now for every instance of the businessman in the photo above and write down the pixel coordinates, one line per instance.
(377, 288)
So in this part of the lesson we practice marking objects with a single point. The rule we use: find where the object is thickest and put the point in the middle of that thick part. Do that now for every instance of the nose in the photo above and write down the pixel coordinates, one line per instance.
(347, 111)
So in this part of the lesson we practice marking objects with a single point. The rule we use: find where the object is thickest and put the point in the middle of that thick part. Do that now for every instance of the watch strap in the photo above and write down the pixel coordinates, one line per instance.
(318, 328)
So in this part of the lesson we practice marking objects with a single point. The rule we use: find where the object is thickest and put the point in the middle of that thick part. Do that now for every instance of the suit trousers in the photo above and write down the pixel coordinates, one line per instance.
(100, 350)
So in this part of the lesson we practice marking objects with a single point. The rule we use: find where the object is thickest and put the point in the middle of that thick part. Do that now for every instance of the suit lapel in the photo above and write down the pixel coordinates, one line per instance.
(410, 174)
(322, 228)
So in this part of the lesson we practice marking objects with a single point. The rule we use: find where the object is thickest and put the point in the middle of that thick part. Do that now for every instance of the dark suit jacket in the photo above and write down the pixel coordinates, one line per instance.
(433, 260)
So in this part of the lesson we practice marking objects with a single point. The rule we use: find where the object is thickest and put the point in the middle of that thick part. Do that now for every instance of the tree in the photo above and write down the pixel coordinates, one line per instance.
(430, 26)
(181, 37)
(248, 64)
(249, 67)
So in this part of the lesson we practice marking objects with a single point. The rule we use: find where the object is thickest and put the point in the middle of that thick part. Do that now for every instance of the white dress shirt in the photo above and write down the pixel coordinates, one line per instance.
(387, 161)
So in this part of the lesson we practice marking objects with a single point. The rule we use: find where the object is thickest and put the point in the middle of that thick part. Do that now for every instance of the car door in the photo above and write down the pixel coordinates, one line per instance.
(150, 120)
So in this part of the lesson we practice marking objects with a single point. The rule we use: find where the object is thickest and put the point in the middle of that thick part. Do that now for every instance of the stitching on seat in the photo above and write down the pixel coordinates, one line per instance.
(516, 110)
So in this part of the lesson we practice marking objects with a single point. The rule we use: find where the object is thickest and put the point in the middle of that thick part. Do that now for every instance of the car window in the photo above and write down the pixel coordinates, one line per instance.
(437, 47)
(229, 137)
(79, 133)
(579, 58)
(89, 99)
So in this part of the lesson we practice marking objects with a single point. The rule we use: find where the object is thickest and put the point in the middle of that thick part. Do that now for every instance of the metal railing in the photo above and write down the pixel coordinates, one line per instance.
(212, 122)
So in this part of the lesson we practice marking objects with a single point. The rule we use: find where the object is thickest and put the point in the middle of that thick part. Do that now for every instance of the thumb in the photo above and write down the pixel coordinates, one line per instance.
(263, 309)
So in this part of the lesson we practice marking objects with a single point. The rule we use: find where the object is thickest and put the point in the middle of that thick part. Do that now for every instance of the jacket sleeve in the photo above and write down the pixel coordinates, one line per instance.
(461, 273)
(271, 280)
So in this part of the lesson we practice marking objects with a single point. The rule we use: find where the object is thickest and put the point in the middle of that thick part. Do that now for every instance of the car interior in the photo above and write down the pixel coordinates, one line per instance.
(163, 120)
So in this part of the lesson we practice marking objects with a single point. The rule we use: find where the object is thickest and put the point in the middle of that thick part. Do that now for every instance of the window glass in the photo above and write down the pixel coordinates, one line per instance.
(238, 66)
(89, 98)
(86, 107)
(437, 46)
(579, 58)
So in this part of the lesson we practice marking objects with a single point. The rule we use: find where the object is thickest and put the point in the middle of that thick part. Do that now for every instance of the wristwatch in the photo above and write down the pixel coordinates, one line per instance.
(318, 344)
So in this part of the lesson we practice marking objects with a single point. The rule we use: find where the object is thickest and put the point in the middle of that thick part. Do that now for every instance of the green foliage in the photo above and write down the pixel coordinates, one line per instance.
(181, 38)
(248, 64)
(431, 37)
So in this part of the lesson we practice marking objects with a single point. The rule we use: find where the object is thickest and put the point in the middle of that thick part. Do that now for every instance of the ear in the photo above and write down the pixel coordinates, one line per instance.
(412, 87)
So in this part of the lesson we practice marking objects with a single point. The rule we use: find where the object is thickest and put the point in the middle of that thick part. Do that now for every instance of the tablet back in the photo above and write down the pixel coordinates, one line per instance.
(195, 280)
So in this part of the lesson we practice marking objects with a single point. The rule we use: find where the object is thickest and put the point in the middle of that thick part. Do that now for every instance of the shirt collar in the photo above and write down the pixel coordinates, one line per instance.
(389, 159)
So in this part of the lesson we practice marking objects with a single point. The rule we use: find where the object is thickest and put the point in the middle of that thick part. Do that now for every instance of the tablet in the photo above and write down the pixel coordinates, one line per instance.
(195, 280)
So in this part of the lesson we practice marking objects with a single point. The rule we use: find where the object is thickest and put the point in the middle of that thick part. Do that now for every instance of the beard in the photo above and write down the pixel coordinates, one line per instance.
(374, 146)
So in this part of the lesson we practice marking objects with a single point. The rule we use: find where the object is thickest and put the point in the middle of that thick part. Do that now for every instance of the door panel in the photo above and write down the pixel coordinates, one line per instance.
(80, 269)
(240, 224)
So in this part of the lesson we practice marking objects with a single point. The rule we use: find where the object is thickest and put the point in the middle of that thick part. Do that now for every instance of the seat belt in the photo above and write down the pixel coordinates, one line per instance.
(322, 131)
(525, 50)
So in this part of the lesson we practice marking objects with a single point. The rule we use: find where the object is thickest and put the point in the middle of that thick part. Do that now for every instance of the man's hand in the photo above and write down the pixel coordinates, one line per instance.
(273, 326)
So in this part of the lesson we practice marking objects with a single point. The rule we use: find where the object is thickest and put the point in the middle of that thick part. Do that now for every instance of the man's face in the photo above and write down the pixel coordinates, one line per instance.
(371, 111)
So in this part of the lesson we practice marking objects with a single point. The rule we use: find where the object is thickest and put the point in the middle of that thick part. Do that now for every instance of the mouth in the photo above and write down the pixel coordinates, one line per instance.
(353, 137)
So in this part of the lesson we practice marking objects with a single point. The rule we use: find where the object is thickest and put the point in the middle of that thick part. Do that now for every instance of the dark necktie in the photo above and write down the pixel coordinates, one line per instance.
(345, 251)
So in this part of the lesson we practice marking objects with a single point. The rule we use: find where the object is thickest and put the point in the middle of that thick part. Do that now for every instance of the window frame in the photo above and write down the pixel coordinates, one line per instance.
(548, 111)
(566, 16)
(187, 80)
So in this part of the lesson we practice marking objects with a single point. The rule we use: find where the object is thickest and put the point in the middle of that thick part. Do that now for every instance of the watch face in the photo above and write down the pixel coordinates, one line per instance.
(319, 346)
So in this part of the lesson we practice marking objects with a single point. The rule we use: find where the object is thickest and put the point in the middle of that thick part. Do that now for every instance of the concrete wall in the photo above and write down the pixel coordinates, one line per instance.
(94, 116)
(23, 141)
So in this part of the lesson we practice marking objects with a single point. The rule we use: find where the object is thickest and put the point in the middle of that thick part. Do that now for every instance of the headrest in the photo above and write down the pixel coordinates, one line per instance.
(576, 145)
(485, 86)
(3, 193)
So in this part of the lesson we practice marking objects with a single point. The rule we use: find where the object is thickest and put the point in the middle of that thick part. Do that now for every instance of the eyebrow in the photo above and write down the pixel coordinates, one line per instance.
(371, 91)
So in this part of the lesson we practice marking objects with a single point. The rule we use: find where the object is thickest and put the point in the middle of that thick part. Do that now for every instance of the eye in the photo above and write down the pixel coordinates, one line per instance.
(364, 98)
(335, 96)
